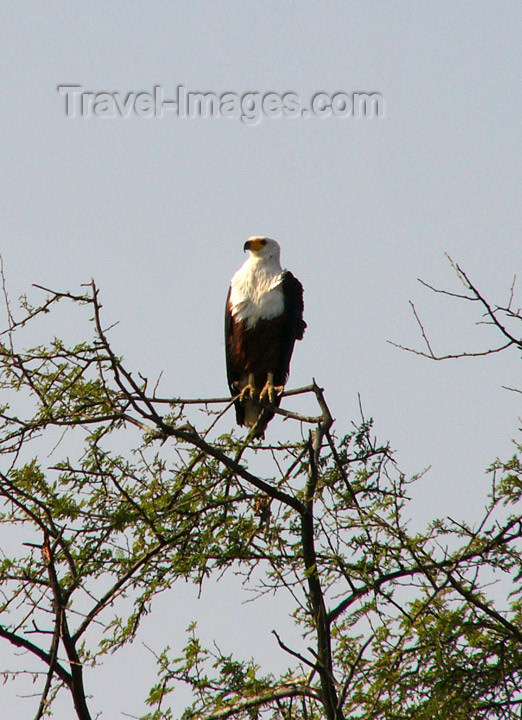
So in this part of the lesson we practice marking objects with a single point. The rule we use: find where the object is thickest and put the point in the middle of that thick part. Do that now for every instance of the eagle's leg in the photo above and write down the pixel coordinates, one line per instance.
(249, 391)
(271, 391)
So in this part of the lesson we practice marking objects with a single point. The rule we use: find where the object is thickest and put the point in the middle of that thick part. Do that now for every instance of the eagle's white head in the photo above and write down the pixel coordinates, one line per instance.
(255, 289)
(263, 248)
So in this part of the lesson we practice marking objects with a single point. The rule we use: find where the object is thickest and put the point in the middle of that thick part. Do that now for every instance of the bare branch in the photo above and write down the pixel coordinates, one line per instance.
(295, 654)
(490, 313)
(450, 356)
(505, 387)
(219, 400)
(446, 292)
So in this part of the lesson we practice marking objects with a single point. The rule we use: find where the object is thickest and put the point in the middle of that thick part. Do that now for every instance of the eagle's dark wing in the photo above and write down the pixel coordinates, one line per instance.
(233, 371)
(294, 324)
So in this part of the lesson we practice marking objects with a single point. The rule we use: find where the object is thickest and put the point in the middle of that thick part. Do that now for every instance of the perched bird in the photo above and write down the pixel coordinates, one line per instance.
(263, 319)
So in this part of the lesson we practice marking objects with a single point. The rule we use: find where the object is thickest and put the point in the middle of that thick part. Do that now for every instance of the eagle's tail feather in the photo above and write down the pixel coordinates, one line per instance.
(257, 416)
(252, 412)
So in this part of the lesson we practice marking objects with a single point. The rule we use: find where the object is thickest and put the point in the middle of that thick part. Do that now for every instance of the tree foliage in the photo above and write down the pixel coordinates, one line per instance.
(394, 624)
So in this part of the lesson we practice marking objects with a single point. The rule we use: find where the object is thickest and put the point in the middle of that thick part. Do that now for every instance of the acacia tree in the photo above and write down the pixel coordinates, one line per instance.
(393, 624)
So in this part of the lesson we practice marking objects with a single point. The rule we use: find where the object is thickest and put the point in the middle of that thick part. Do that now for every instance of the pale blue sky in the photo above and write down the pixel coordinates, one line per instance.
(157, 210)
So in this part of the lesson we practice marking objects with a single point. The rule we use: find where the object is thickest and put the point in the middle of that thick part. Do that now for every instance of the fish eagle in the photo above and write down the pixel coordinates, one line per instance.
(263, 319)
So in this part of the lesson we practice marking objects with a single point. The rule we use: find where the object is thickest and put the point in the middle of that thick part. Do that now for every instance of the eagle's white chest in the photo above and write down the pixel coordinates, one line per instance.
(256, 292)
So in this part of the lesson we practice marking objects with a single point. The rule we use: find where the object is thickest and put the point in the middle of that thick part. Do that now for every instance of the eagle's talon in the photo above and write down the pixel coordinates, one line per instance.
(271, 391)
(249, 391)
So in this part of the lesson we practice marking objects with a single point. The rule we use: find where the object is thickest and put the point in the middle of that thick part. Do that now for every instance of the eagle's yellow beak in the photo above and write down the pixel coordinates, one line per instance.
(254, 244)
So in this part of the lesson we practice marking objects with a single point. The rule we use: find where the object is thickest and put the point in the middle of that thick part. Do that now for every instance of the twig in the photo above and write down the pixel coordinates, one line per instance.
(446, 292)
(505, 387)
(295, 654)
